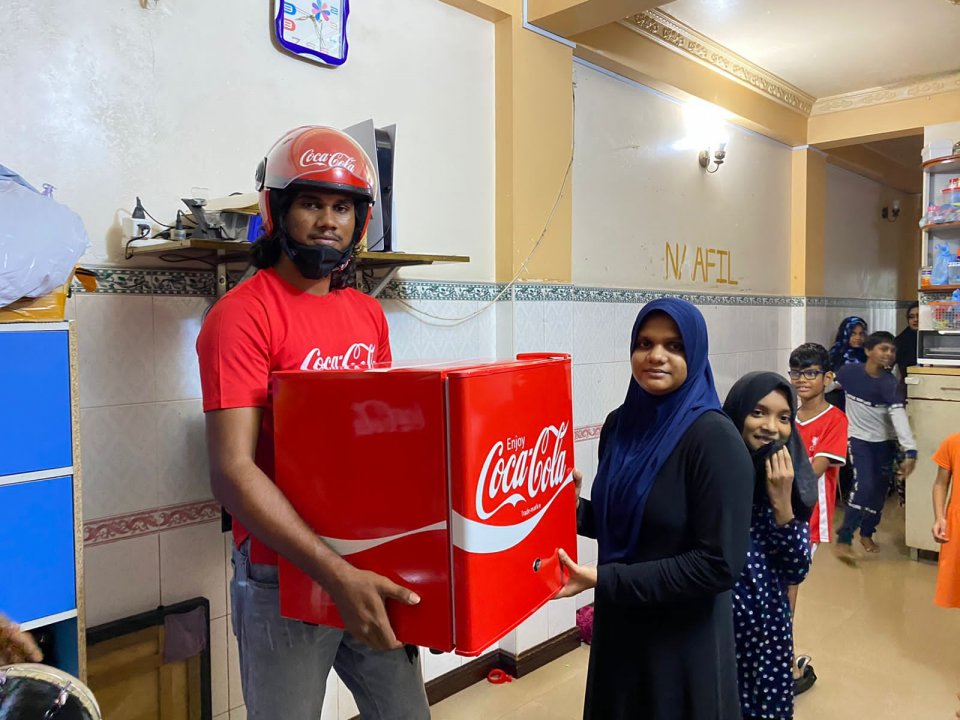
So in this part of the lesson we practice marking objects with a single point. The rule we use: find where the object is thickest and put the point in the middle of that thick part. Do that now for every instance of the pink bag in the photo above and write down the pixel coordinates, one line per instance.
(585, 623)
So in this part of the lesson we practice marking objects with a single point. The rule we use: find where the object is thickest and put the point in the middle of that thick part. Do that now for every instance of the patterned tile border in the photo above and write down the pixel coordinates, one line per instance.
(638, 297)
(536, 292)
(148, 522)
(113, 280)
(425, 290)
(856, 303)
(587, 432)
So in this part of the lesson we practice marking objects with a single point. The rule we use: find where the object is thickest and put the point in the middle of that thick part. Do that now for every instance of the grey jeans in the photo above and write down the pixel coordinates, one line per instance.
(284, 664)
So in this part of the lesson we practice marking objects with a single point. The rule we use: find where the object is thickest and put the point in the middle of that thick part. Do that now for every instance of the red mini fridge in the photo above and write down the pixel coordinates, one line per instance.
(454, 480)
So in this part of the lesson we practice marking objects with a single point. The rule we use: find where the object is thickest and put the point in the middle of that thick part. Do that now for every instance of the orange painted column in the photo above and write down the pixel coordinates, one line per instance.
(807, 222)
(534, 142)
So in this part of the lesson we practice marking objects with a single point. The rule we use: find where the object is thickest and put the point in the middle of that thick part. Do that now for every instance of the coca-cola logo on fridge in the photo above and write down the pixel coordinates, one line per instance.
(520, 479)
(522, 474)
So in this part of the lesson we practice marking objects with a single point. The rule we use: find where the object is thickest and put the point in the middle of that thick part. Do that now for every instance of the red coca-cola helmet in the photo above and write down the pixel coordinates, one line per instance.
(318, 157)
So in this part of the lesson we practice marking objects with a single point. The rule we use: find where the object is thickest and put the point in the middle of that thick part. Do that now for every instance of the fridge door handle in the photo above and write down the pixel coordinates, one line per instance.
(543, 356)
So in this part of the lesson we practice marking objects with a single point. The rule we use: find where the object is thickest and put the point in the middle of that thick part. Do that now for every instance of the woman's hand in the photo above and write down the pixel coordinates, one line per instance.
(940, 531)
(577, 482)
(581, 577)
(780, 485)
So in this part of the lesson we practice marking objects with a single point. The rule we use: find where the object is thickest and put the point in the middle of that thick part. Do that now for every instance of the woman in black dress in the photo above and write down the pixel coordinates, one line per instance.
(670, 509)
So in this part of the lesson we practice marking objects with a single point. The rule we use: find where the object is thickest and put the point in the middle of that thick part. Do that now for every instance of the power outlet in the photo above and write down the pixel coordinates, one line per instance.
(136, 228)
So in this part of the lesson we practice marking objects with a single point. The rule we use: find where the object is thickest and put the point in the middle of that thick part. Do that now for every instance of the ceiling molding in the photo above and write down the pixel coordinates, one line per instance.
(666, 30)
(924, 87)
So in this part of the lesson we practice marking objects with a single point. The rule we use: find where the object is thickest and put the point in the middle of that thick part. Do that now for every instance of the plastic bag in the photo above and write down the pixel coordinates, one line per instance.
(40, 241)
(940, 275)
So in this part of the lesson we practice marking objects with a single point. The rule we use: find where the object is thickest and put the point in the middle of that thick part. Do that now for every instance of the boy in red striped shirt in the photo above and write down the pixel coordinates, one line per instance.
(823, 429)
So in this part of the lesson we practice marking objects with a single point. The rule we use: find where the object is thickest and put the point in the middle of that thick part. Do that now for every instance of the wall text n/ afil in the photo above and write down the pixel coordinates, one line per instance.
(709, 266)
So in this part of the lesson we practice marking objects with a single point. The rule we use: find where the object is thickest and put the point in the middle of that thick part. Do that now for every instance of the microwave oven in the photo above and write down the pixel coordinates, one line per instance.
(938, 347)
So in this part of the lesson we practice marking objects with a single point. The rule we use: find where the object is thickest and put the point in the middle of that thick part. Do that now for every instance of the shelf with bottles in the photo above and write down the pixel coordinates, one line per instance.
(944, 248)
(943, 208)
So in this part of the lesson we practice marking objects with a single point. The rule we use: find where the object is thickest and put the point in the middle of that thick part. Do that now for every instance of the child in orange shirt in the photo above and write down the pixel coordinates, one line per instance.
(947, 523)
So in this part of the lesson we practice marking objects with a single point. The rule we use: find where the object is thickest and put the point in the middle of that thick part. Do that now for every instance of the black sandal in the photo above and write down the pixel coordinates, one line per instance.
(808, 677)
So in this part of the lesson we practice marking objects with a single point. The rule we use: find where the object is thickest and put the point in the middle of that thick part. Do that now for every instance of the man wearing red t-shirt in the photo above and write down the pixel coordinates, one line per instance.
(316, 187)
(823, 429)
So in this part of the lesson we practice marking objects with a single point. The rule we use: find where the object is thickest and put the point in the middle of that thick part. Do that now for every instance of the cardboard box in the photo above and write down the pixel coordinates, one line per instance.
(51, 307)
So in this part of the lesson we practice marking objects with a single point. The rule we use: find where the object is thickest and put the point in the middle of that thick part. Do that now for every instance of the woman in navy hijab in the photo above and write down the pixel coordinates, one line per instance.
(848, 344)
(670, 509)
(847, 349)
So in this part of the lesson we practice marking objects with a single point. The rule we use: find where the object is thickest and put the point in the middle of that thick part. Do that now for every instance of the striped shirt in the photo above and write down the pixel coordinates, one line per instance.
(875, 407)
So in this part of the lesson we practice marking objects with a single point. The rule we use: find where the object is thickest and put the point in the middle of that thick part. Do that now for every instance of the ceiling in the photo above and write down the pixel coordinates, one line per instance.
(831, 47)
(905, 151)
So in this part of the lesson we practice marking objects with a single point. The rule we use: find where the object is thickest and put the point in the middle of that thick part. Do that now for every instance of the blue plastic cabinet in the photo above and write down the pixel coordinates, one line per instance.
(40, 526)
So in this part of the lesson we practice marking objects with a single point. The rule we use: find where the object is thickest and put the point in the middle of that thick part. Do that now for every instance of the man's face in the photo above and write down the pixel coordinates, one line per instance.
(913, 318)
(809, 382)
(322, 218)
(884, 354)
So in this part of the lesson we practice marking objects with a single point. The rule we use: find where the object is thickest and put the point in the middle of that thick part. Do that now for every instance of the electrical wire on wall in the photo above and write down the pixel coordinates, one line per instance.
(428, 318)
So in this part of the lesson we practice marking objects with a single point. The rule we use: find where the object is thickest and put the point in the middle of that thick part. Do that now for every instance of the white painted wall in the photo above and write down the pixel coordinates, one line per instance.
(113, 101)
(861, 249)
(634, 192)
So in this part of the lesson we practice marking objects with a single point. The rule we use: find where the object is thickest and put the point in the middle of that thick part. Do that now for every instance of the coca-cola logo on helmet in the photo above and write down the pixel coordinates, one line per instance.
(513, 473)
(324, 159)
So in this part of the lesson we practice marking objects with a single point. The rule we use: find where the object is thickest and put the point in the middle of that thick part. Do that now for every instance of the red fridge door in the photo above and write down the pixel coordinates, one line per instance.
(362, 457)
(512, 494)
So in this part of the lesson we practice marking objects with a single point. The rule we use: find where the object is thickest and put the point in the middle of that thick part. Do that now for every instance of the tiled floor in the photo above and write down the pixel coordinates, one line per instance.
(881, 648)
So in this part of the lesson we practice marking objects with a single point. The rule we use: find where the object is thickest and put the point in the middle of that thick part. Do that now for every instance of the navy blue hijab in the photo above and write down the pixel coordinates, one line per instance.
(646, 431)
(841, 353)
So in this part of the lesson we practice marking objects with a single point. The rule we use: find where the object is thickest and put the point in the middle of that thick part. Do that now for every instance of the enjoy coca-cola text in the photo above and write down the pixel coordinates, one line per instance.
(521, 475)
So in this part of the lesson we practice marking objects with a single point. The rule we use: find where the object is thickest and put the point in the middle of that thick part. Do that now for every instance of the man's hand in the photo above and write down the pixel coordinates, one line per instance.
(577, 482)
(581, 577)
(780, 485)
(361, 600)
(907, 467)
(16, 646)
(940, 531)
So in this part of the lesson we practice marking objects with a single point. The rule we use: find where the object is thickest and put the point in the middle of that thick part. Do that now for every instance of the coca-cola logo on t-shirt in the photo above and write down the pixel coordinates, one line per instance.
(358, 356)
